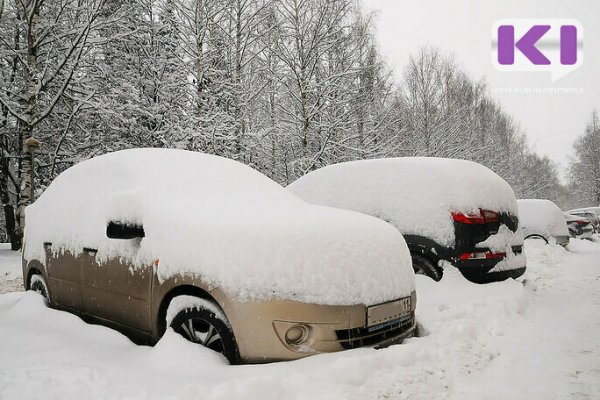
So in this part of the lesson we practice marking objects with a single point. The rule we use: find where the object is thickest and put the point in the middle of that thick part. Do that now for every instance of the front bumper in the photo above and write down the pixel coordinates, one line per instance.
(260, 329)
(378, 336)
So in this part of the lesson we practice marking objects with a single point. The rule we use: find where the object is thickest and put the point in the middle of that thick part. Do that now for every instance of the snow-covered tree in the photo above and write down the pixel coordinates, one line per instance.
(286, 86)
(41, 49)
(585, 167)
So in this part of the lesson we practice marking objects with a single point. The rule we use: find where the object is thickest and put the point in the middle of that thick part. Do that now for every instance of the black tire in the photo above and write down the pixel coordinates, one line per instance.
(203, 326)
(424, 266)
(37, 283)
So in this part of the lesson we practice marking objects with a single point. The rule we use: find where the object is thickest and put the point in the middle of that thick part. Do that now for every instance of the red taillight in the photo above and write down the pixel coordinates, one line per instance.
(482, 256)
(468, 217)
(582, 222)
(478, 217)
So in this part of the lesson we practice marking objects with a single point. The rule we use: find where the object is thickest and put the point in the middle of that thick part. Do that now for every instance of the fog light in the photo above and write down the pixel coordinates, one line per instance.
(297, 334)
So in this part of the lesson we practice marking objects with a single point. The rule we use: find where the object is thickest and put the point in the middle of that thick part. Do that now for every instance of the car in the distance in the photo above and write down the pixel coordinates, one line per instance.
(146, 239)
(579, 227)
(449, 211)
(591, 213)
(543, 219)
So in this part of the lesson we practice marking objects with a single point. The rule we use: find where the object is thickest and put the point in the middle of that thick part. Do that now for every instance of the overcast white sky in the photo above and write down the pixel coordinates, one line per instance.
(463, 28)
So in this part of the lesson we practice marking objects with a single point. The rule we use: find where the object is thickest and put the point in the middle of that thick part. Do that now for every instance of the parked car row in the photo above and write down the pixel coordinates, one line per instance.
(147, 239)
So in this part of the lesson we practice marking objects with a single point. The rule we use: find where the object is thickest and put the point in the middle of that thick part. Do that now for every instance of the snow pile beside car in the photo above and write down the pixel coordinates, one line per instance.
(415, 194)
(541, 217)
(227, 223)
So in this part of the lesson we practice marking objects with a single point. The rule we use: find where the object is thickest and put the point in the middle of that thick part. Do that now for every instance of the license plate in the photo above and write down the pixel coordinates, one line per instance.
(386, 312)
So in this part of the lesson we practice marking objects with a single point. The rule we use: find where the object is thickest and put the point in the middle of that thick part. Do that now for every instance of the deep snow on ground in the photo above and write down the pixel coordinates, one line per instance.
(510, 340)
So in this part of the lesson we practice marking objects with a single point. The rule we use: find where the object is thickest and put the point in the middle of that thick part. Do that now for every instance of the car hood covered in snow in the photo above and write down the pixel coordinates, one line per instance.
(415, 194)
(541, 217)
(220, 220)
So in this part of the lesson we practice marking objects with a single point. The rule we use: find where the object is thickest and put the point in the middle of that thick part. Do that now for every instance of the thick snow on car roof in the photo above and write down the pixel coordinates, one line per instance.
(415, 194)
(592, 210)
(542, 217)
(572, 217)
(223, 221)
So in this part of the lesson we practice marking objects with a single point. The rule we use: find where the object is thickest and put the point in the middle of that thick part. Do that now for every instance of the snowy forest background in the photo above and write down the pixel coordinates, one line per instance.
(285, 86)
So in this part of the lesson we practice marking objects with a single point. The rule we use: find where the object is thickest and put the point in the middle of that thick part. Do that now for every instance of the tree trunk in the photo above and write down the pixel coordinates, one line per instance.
(26, 190)
(9, 216)
(26, 130)
(239, 122)
(7, 206)
(200, 30)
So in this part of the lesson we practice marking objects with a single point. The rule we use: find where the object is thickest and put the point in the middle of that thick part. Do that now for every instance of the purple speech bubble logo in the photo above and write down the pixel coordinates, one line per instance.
(552, 45)
(506, 44)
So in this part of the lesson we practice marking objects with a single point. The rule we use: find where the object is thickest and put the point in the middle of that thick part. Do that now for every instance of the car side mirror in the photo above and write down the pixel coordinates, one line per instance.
(121, 230)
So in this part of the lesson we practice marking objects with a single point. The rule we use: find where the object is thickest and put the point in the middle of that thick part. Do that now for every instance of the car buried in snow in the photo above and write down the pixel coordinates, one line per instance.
(590, 213)
(542, 219)
(146, 239)
(453, 212)
(579, 227)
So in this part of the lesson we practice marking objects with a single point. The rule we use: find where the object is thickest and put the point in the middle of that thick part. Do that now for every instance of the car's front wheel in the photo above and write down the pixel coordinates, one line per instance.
(202, 325)
(423, 266)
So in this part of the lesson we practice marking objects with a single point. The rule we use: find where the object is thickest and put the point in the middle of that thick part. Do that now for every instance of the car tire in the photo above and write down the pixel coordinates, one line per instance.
(37, 283)
(424, 266)
(203, 326)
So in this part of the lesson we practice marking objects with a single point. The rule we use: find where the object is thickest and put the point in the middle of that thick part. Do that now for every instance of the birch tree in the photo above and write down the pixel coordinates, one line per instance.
(52, 39)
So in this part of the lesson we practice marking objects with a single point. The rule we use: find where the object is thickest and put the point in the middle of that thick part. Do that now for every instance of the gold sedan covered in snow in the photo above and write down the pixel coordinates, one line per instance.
(146, 239)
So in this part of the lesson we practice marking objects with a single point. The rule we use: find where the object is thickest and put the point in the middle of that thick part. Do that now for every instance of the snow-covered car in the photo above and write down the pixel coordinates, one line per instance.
(448, 210)
(591, 213)
(579, 227)
(145, 239)
(542, 219)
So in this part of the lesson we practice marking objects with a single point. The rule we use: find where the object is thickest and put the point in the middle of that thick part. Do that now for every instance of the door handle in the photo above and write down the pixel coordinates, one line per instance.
(91, 252)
